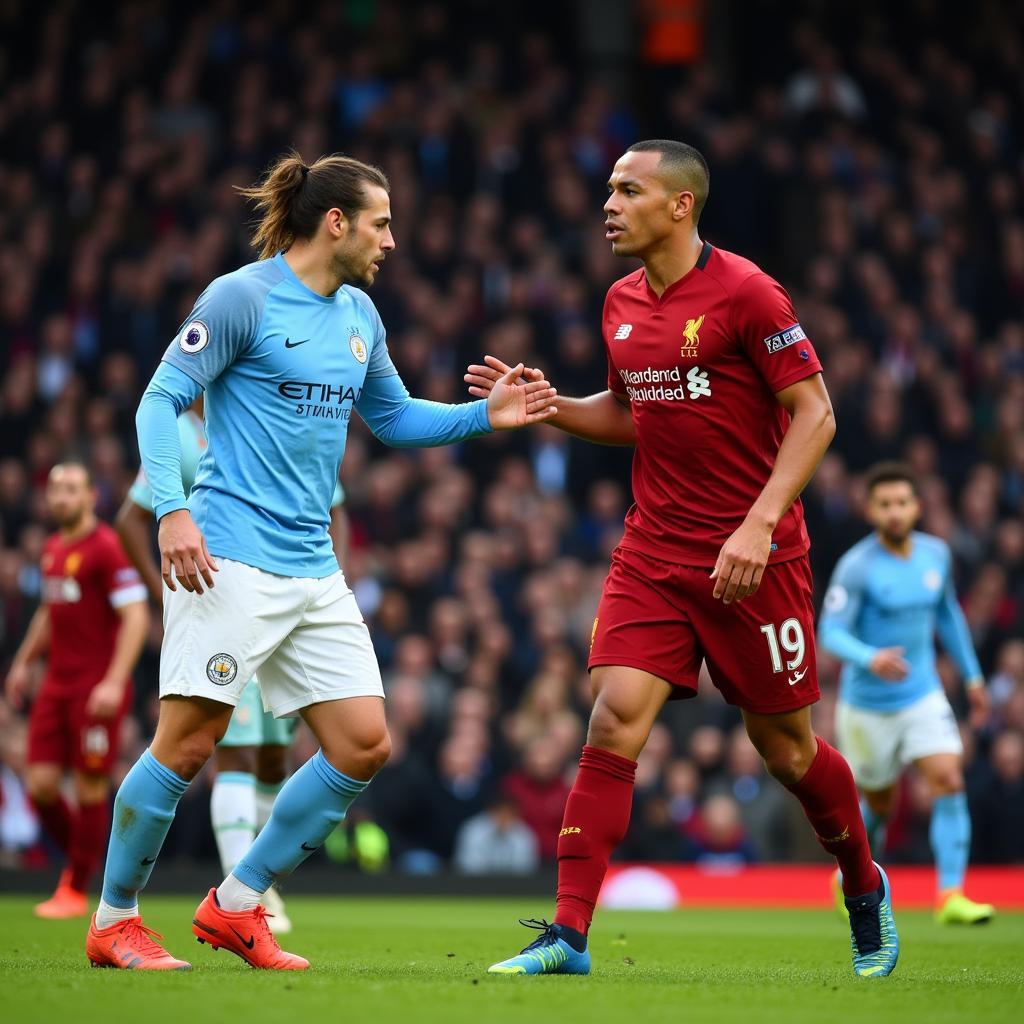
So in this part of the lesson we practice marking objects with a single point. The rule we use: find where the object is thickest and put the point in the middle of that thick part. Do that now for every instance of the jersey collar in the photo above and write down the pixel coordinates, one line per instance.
(702, 262)
(291, 276)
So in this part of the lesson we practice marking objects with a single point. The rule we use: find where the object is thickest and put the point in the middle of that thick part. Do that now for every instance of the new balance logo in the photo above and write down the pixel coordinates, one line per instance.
(796, 677)
(623, 332)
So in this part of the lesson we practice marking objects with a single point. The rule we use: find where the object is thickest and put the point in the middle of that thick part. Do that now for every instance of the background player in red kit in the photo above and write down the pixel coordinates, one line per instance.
(92, 622)
(713, 380)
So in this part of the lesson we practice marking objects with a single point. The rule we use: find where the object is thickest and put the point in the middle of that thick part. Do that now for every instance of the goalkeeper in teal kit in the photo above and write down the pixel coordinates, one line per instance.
(889, 596)
(284, 350)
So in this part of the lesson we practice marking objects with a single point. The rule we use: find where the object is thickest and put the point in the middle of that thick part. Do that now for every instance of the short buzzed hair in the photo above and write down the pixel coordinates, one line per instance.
(891, 473)
(683, 168)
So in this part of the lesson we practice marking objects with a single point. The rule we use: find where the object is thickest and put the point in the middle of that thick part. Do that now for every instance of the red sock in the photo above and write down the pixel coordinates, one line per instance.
(829, 798)
(56, 819)
(595, 822)
(88, 839)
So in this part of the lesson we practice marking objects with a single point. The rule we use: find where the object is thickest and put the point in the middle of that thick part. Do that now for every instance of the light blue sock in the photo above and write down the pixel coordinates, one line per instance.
(950, 835)
(143, 812)
(307, 810)
(874, 825)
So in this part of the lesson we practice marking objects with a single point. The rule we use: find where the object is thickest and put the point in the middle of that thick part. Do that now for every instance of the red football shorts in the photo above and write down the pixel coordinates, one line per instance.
(60, 731)
(662, 618)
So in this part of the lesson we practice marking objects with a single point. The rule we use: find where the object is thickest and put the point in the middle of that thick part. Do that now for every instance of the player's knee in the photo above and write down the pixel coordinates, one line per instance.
(376, 756)
(607, 727)
(786, 762)
(91, 789)
(42, 790)
(361, 758)
(947, 783)
(191, 753)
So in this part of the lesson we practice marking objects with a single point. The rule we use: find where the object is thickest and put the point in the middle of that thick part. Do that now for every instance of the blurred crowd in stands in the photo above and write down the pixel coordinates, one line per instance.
(873, 165)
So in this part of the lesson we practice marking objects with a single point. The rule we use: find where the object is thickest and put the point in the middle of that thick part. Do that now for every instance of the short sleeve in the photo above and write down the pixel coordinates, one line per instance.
(615, 382)
(121, 580)
(222, 324)
(616, 385)
(770, 333)
(140, 492)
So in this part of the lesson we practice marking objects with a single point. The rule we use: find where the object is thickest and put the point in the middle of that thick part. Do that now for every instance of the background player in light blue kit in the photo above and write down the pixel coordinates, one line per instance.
(285, 350)
(252, 756)
(888, 597)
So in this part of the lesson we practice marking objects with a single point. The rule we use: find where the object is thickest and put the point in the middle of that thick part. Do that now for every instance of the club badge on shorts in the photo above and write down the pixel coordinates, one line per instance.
(221, 669)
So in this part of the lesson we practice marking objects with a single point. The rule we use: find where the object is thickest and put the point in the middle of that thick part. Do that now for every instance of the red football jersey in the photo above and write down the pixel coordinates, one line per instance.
(700, 367)
(84, 583)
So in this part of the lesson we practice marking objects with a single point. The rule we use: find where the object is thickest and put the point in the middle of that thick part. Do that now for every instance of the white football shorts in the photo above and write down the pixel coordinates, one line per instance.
(879, 744)
(304, 637)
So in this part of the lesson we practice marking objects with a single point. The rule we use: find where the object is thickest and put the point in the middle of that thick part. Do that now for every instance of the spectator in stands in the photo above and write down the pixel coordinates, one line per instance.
(496, 842)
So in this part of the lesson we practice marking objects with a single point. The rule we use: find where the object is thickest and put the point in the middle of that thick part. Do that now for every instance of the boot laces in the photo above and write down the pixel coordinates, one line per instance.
(141, 937)
(547, 937)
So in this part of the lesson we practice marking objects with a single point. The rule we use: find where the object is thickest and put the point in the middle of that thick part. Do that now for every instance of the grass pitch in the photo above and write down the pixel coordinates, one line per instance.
(383, 960)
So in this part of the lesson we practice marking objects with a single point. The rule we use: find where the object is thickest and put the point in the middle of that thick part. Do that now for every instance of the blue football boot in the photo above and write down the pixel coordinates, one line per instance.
(549, 953)
(876, 946)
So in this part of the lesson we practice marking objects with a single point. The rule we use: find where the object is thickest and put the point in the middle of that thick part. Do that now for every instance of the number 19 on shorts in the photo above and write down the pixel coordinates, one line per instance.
(788, 638)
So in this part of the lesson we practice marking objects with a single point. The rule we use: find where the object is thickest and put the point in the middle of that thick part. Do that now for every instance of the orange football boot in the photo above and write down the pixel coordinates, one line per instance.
(65, 902)
(245, 933)
(129, 945)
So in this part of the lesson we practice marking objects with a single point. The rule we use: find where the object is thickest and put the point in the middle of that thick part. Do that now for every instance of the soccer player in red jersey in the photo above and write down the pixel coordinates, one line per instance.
(92, 622)
(714, 381)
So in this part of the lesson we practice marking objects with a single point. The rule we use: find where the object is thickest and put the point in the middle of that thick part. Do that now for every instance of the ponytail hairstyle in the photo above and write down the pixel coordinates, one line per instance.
(293, 197)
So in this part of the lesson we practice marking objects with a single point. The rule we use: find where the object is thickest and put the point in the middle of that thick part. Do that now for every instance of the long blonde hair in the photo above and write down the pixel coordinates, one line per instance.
(293, 197)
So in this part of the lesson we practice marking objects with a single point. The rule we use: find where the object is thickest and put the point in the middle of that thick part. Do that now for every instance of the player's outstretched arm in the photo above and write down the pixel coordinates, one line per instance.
(402, 421)
(602, 418)
(744, 555)
(37, 639)
(133, 524)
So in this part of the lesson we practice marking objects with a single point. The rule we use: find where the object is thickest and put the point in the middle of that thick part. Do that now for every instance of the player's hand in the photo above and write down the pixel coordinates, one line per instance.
(183, 549)
(889, 664)
(977, 698)
(481, 379)
(16, 685)
(740, 566)
(105, 699)
(512, 404)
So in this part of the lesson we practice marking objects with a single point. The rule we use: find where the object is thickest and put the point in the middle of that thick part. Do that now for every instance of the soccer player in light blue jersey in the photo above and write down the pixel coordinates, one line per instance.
(285, 350)
(888, 597)
(252, 756)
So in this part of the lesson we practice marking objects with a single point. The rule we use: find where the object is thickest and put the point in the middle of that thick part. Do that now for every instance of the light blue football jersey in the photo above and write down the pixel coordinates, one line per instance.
(192, 436)
(283, 369)
(877, 599)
